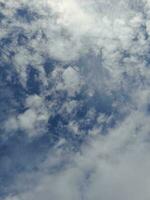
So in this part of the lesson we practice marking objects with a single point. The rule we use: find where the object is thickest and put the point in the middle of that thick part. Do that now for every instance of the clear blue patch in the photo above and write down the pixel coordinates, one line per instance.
(25, 14)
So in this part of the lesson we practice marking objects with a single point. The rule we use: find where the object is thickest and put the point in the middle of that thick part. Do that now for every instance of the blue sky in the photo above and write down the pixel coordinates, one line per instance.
(74, 99)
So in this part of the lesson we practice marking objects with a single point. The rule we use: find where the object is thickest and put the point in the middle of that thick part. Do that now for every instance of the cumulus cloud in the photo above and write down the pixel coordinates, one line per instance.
(84, 68)
(33, 120)
(110, 167)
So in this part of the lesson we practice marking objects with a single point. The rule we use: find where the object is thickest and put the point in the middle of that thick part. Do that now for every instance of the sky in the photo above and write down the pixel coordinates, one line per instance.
(74, 99)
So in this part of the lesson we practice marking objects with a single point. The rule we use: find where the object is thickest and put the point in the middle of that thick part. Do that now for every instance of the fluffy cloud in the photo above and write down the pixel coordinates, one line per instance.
(109, 167)
(84, 68)
(33, 120)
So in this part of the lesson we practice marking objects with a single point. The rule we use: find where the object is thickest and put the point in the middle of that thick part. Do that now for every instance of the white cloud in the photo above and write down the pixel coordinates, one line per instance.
(112, 166)
(109, 167)
(73, 28)
(33, 121)
(71, 80)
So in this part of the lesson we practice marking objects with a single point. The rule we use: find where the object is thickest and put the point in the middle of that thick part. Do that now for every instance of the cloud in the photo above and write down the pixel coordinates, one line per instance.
(33, 121)
(94, 96)
(109, 167)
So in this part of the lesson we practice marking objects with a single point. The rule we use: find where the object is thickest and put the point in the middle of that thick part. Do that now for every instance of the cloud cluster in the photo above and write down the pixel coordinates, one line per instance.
(83, 70)
(32, 120)
(110, 167)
